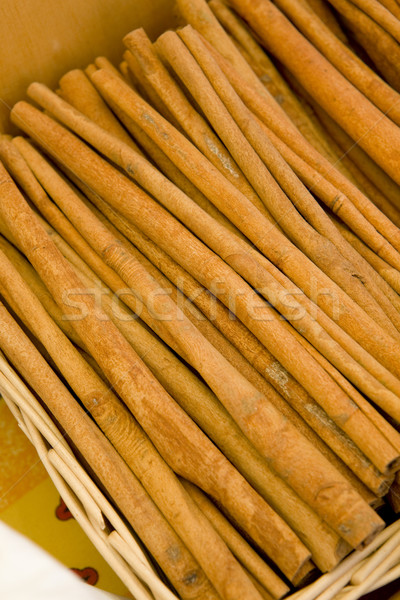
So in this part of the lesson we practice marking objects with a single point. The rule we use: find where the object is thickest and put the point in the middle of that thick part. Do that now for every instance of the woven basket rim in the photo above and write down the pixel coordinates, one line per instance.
(361, 572)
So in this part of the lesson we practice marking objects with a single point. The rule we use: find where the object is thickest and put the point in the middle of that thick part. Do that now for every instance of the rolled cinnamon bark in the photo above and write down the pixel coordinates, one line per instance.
(342, 57)
(91, 100)
(243, 214)
(261, 325)
(369, 168)
(120, 428)
(304, 203)
(243, 552)
(327, 548)
(79, 100)
(265, 70)
(287, 386)
(324, 12)
(198, 13)
(131, 383)
(381, 15)
(189, 119)
(275, 200)
(322, 188)
(65, 198)
(351, 110)
(361, 521)
(118, 480)
(355, 171)
(267, 366)
(29, 274)
(124, 70)
(102, 62)
(373, 220)
(390, 275)
(375, 41)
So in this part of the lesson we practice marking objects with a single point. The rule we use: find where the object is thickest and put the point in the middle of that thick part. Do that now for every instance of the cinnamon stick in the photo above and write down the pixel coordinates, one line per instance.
(373, 220)
(261, 327)
(13, 212)
(277, 203)
(189, 119)
(209, 178)
(351, 110)
(352, 67)
(77, 80)
(243, 552)
(29, 274)
(159, 158)
(114, 474)
(265, 364)
(381, 15)
(62, 276)
(266, 71)
(326, 547)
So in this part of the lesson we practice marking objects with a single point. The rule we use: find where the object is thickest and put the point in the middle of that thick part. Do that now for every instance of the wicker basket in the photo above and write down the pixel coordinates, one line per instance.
(358, 574)
(70, 22)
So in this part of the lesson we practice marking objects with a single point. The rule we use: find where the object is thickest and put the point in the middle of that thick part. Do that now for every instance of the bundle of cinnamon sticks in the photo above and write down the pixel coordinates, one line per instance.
(200, 279)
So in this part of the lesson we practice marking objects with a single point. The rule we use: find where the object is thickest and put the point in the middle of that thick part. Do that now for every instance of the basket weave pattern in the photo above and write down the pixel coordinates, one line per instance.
(358, 574)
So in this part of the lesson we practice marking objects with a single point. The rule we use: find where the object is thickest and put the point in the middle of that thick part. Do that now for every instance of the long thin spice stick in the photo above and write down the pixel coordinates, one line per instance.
(393, 7)
(322, 188)
(319, 421)
(327, 549)
(387, 272)
(382, 424)
(265, 70)
(377, 43)
(334, 133)
(130, 392)
(305, 203)
(147, 91)
(77, 79)
(118, 285)
(242, 212)
(276, 121)
(267, 365)
(380, 15)
(361, 119)
(310, 414)
(352, 67)
(370, 169)
(102, 62)
(243, 552)
(325, 13)
(35, 283)
(364, 520)
(124, 70)
(244, 316)
(184, 387)
(234, 330)
(360, 171)
(59, 221)
(190, 120)
(275, 200)
(116, 477)
(79, 101)
(115, 421)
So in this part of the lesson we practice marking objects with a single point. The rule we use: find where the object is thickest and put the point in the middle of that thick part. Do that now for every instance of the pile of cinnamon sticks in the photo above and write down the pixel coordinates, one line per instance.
(200, 279)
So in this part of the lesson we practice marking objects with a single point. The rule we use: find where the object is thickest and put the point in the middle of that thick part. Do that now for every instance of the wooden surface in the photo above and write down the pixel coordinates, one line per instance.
(42, 39)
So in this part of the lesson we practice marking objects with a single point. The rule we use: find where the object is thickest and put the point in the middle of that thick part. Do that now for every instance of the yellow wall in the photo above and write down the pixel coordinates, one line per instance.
(42, 39)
